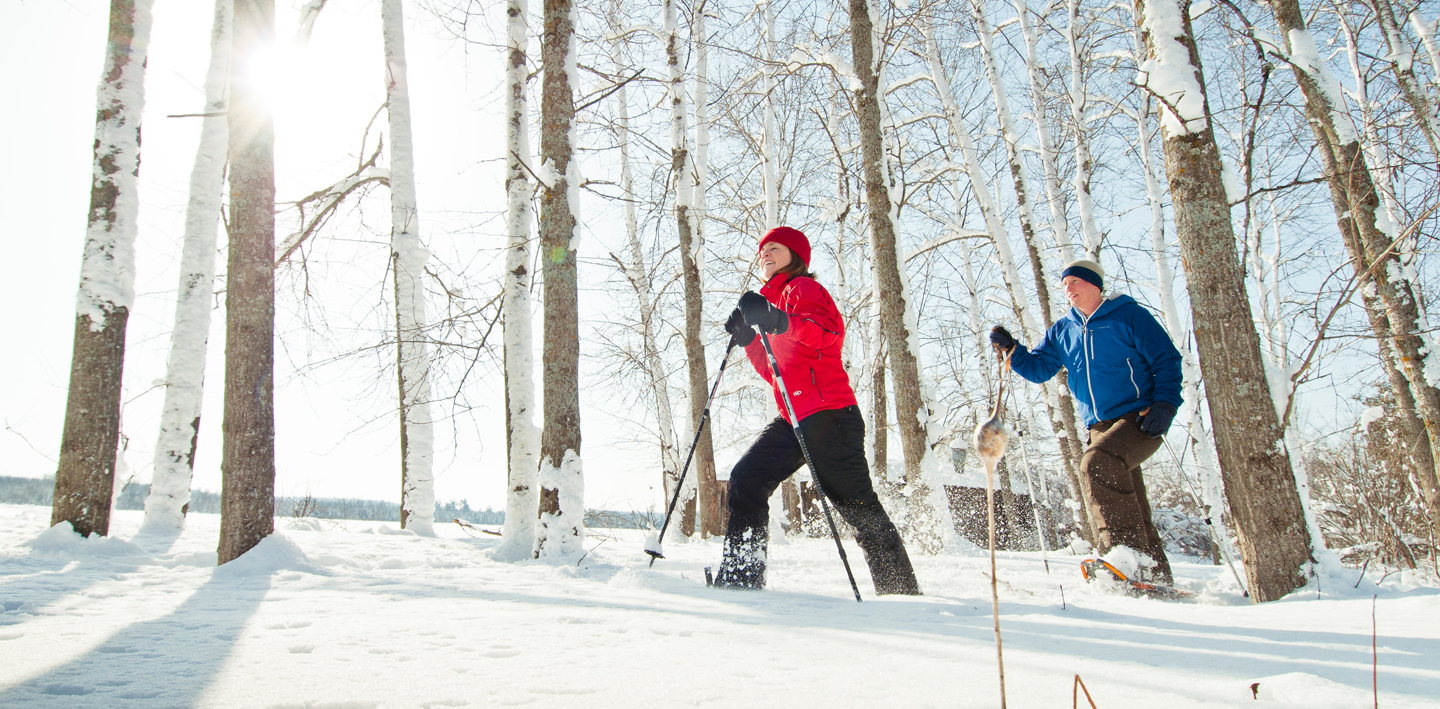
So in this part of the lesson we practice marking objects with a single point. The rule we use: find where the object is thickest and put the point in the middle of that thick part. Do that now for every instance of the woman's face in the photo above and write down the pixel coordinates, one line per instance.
(774, 257)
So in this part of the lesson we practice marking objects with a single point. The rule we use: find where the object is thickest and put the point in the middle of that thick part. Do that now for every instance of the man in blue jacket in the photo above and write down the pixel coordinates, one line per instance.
(1125, 373)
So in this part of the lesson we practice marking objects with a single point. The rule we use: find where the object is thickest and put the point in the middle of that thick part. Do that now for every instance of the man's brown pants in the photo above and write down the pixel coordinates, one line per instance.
(1111, 471)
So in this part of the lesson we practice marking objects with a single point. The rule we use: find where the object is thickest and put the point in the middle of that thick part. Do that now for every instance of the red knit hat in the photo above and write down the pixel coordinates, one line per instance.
(790, 238)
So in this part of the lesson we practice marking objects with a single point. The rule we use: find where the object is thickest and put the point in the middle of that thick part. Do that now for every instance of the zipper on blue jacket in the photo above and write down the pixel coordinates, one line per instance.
(1132, 377)
(1086, 349)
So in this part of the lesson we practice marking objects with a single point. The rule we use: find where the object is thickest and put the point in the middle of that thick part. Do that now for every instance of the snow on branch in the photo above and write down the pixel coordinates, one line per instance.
(1168, 73)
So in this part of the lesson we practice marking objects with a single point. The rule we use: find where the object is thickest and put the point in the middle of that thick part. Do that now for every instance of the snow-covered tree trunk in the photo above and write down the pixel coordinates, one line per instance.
(682, 172)
(522, 439)
(1427, 37)
(247, 464)
(1063, 403)
(1068, 453)
(90, 439)
(1274, 539)
(1372, 140)
(1402, 63)
(1410, 430)
(769, 142)
(1049, 154)
(408, 257)
(980, 188)
(169, 496)
(711, 505)
(561, 529)
(929, 516)
(1357, 216)
(1200, 441)
(1084, 164)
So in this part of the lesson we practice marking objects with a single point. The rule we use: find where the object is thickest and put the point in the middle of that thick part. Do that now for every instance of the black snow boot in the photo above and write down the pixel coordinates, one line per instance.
(743, 565)
(884, 552)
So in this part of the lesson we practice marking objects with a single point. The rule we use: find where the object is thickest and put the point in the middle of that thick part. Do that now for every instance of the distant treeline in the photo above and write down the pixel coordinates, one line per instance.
(40, 491)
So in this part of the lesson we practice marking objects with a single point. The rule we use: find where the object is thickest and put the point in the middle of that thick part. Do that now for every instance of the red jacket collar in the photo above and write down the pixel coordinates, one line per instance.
(777, 282)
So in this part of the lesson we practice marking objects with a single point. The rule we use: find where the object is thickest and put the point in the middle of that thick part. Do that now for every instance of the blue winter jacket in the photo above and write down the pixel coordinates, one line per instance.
(1120, 359)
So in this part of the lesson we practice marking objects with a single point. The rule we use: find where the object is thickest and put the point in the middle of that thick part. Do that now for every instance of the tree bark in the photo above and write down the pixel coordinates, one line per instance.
(1083, 163)
(1062, 408)
(179, 436)
(1395, 313)
(1274, 539)
(521, 437)
(712, 502)
(522, 440)
(247, 497)
(561, 526)
(639, 276)
(408, 257)
(910, 409)
(85, 478)
(1402, 63)
(683, 174)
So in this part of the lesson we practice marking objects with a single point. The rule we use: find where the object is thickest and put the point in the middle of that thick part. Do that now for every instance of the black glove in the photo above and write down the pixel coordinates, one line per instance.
(1157, 422)
(743, 334)
(760, 313)
(1000, 337)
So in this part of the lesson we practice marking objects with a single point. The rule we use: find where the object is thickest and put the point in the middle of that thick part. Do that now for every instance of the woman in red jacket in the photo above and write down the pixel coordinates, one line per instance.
(806, 334)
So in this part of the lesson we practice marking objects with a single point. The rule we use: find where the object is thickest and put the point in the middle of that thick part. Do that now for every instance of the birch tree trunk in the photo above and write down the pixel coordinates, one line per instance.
(85, 479)
(994, 226)
(1059, 219)
(1274, 539)
(768, 141)
(1065, 432)
(175, 447)
(1083, 162)
(789, 492)
(522, 439)
(1427, 37)
(561, 528)
(712, 505)
(1356, 209)
(640, 280)
(1402, 63)
(683, 176)
(1071, 447)
(247, 497)
(408, 257)
(929, 511)
(1415, 442)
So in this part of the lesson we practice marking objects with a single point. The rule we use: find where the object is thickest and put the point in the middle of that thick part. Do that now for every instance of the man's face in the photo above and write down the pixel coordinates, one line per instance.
(1081, 293)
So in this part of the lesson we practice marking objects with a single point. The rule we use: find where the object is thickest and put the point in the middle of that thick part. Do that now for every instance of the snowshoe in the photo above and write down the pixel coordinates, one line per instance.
(1092, 569)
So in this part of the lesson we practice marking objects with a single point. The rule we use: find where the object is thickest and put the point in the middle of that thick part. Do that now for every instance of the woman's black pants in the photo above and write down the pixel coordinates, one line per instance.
(836, 441)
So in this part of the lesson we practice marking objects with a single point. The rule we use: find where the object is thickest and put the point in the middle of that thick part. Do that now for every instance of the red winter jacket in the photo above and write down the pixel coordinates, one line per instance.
(809, 352)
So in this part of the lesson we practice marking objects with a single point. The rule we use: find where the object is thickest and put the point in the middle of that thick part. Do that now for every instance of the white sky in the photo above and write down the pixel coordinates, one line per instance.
(337, 434)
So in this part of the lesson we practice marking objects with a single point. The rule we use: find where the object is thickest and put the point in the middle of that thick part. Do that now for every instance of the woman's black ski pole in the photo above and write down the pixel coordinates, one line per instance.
(785, 394)
(655, 553)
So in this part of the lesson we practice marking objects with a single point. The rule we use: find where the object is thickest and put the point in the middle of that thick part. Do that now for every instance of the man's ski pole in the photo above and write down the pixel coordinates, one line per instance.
(794, 422)
(680, 485)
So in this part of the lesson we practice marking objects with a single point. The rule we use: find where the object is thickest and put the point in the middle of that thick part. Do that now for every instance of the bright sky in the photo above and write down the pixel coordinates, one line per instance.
(337, 433)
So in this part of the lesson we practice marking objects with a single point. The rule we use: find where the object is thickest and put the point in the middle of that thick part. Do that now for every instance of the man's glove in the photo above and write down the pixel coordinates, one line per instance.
(760, 313)
(1157, 422)
(743, 334)
(1000, 337)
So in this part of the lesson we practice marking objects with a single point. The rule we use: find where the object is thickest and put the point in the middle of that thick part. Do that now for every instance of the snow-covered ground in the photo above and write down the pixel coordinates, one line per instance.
(354, 614)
